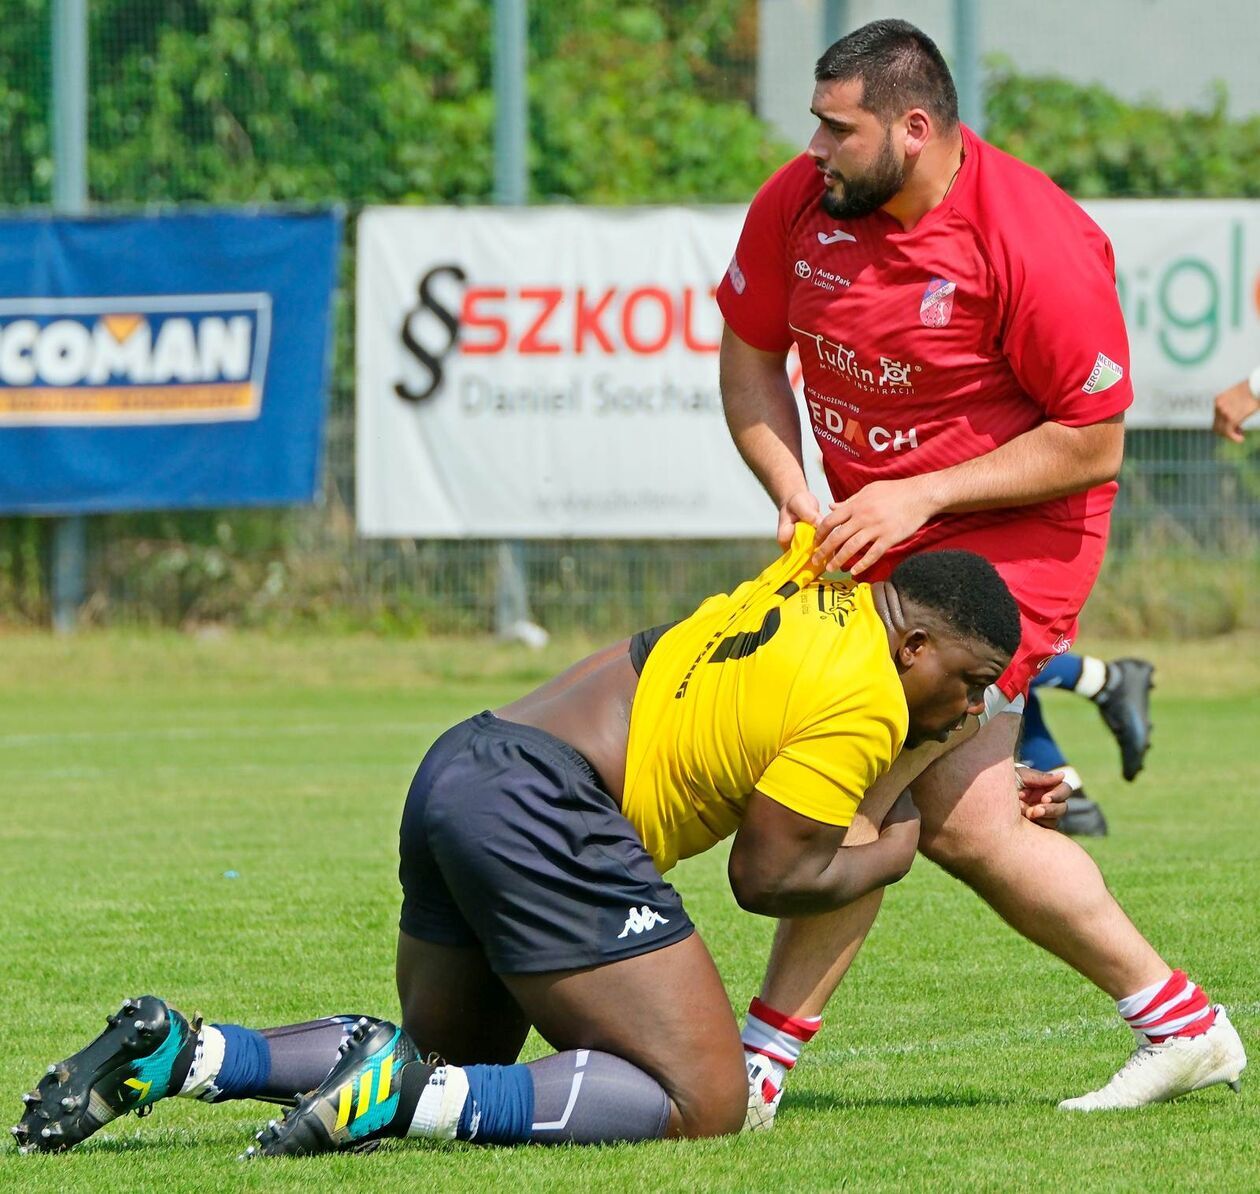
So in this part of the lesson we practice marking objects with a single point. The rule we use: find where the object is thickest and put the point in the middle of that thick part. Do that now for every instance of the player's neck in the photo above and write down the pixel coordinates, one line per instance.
(928, 182)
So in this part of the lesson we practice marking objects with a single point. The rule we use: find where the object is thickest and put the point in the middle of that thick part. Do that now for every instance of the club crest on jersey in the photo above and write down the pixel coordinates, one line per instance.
(1103, 375)
(938, 303)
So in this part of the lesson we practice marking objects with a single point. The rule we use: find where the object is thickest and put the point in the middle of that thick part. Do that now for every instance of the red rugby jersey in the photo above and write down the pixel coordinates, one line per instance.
(996, 312)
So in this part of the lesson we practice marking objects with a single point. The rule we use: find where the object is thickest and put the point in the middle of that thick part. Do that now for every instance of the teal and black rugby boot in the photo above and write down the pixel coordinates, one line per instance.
(143, 1055)
(354, 1106)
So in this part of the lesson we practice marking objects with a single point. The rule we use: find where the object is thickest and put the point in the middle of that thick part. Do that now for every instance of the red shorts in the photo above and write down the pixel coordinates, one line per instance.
(1049, 564)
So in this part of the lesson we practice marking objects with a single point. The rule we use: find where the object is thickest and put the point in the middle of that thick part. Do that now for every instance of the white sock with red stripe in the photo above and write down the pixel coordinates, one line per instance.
(1174, 1007)
(778, 1039)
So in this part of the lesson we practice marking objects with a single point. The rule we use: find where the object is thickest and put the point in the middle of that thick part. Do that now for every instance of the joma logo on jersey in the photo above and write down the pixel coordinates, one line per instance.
(846, 427)
(893, 375)
(151, 359)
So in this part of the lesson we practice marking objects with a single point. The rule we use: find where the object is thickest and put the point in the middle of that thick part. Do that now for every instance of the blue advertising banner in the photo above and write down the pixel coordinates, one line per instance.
(163, 362)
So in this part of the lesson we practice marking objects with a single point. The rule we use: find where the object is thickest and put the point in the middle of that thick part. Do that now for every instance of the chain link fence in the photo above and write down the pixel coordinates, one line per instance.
(390, 101)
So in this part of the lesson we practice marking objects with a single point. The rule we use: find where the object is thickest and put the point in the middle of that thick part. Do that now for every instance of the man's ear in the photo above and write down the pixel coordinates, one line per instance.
(917, 131)
(913, 645)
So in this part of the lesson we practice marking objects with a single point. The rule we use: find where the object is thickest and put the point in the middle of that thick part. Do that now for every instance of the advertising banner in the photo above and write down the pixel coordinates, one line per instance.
(163, 362)
(1188, 272)
(546, 372)
(553, 372)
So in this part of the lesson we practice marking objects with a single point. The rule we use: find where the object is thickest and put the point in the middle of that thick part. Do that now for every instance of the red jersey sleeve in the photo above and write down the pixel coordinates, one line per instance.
(1063, 331)
(753, 295)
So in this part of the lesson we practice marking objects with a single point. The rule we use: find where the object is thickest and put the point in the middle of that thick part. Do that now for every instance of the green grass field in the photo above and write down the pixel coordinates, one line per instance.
(138, 771)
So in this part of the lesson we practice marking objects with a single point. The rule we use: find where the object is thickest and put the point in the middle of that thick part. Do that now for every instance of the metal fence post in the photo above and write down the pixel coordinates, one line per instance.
(967, 73)
(69, 37)
(511, 189)
(835, 21)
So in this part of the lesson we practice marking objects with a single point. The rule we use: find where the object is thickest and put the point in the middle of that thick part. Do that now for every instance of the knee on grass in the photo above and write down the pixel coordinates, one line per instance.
(714, 1109)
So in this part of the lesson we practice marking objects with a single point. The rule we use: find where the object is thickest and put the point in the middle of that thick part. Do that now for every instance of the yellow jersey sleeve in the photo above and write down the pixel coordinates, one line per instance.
(823, 770)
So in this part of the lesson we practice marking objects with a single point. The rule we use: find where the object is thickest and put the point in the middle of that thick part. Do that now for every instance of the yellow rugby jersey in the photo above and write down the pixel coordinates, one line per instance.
(786, 685)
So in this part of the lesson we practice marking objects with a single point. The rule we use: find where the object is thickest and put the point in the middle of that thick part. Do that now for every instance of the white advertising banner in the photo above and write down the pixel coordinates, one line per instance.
(552, 372)
(546, 372)
(1188, 271)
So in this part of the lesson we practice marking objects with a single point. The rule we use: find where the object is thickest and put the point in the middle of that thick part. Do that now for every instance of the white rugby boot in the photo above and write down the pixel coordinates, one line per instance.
(1157, 1073)
(763, 1093)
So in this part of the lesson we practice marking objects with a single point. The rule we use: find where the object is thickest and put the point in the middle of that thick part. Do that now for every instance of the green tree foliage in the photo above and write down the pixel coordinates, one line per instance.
(390, 101)
(1096, 146)
(25, 139)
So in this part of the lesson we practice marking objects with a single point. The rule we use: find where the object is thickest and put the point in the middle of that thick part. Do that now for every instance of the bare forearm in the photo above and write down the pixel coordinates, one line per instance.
(850, 874)
(762, 416)
(1047, 462)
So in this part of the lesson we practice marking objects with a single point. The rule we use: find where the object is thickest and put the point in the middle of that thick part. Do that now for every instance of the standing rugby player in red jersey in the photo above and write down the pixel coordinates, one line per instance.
(966, 372)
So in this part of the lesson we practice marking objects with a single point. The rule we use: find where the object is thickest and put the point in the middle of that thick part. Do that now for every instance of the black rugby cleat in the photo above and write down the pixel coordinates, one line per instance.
(355, 1105)
(1124, 703)
(143, 1055)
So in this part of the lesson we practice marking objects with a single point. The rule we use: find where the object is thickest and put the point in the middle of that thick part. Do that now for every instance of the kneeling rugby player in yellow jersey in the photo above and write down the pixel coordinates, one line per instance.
(533, 845)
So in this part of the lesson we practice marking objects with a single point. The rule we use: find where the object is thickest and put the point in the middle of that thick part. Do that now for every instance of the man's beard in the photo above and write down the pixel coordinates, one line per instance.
(872, 190)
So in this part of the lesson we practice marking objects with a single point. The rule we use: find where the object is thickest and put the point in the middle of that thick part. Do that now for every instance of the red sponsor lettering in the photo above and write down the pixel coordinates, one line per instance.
(471, 318)
(586, 321)
(630, 333)
(550, 320)
(532, 343)
(689, 336)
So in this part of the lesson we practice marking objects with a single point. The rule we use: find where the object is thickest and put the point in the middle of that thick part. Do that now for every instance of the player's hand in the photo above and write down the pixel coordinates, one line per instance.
(801, 506)
(861, 529)
(1043, 795)
(902, 819)
(1233, 407)
(899, 834)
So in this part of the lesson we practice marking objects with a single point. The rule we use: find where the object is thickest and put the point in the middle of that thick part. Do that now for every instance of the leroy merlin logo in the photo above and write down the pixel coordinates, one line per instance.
(1103, 375)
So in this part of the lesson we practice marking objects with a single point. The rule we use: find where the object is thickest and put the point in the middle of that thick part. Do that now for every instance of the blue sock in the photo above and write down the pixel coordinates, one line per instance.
(246, 1063)
(500, 1105)
(1039, 749)
(1063, 671)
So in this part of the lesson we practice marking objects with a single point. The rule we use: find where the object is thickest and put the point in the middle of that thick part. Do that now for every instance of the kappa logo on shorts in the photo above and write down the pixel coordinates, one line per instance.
(641, 920)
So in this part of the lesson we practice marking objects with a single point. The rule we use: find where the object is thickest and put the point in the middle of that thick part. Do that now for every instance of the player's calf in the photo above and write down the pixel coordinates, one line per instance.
(381, 1088)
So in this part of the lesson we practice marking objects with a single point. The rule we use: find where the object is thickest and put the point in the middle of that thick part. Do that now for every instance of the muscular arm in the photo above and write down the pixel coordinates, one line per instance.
(1049, 461)
(784, 864)
(762, 416)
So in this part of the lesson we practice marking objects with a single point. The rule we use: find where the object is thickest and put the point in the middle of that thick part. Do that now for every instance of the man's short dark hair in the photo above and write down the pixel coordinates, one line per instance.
(965, 591)
(900, 68)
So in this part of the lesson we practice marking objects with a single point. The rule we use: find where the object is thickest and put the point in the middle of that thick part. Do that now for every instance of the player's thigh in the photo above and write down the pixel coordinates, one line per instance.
(454, 1005)
(969, 797)
(664, 1011)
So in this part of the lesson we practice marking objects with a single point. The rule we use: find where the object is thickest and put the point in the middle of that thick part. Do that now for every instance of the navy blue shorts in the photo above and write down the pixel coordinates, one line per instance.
(510, 841)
